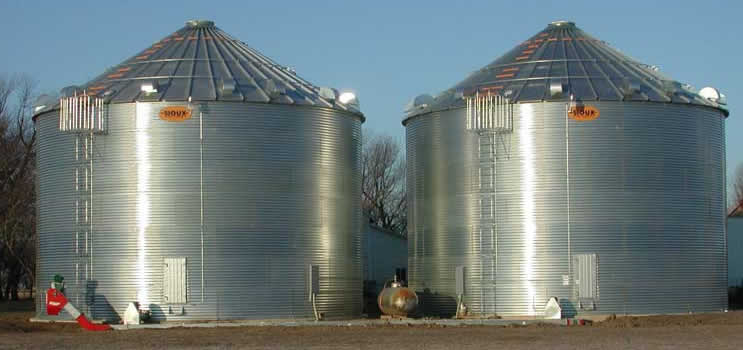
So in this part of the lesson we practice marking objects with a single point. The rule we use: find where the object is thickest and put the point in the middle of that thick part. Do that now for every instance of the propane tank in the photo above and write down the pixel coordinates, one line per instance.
(396, 299)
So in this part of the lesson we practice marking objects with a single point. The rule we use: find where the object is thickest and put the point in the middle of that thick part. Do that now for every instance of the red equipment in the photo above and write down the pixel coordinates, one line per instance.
(56, 302)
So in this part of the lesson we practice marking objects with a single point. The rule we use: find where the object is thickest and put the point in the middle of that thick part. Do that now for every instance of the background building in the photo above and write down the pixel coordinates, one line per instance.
(735, 247)
(385, 256)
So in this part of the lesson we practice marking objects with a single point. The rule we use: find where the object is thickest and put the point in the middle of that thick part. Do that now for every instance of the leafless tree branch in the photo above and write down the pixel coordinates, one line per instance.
(383, 183)
(737, 188)
(17, 184)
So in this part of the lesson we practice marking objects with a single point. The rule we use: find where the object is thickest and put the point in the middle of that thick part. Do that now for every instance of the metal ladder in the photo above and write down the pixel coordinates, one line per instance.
(82, 115)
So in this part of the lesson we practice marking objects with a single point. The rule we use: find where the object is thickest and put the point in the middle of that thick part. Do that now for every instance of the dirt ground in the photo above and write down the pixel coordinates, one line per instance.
(700, 331)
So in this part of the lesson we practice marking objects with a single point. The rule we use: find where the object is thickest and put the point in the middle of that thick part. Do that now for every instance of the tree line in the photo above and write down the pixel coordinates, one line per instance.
(18, 238)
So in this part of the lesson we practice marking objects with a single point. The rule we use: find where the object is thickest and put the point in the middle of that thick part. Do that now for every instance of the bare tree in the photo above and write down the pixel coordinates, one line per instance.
(383, 183)
(737, 187)
(17, 184)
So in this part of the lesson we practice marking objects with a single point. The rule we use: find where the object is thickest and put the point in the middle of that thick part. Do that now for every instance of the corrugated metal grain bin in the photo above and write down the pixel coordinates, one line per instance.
(567, 169)
(204, 181)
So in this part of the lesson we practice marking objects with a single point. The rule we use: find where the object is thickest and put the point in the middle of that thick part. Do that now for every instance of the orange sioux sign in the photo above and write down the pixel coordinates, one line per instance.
(175, 114)
(583, 113)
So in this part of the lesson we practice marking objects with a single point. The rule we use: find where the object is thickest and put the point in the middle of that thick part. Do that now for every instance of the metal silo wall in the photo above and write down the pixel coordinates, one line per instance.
(55, 205)
(279, 191)
(646, 195)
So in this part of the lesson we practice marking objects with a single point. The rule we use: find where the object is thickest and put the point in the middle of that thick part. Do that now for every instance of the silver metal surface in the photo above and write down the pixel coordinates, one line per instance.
(249, 194)
(563, 61)
(641, 186)
(200, 62)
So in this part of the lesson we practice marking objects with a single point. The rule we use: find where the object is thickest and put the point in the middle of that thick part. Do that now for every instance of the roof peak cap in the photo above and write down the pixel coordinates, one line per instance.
(561, 23)
(199, 23)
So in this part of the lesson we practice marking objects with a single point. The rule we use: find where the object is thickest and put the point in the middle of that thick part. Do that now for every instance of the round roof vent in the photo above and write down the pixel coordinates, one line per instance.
(199, 23)
(563, 24)
(713, 95)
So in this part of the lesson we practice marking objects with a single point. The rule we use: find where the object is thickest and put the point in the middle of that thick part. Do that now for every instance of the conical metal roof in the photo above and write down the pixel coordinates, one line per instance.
(200, 62)
(560, 61)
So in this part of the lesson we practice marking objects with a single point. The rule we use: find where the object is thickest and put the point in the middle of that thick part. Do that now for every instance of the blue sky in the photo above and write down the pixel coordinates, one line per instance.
(387, 51)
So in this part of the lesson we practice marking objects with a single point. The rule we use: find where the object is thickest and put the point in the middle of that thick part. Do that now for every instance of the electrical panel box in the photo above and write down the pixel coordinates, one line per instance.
(314, 280)
(460, 280)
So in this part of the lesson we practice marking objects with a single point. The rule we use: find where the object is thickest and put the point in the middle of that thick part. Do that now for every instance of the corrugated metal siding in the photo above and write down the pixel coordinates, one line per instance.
(646, 195)
(56, 210)
(280, 190)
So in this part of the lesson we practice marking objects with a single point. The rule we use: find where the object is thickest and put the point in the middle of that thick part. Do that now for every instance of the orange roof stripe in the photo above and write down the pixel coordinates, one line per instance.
(497, 87)
(521, 58)
(115, 75)
(143, 57)
(507, 75)
(527, 52)
(510, 69)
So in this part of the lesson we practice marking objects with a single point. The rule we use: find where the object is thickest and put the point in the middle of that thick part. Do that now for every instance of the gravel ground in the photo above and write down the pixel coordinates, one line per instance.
(700, 331)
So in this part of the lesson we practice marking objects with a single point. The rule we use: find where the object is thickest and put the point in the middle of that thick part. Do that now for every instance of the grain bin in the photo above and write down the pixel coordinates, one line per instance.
(204, 181)
(567, 169)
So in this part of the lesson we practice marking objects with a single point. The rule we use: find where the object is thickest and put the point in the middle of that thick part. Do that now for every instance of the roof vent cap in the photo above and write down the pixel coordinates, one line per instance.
(349, 99)
(42, 102)
(227, 86)
(556, 89)
(346, 97)
(199, 23)
(328, 93)
(562, 24)
(713, 95)
(630, 86)
(419, 102)
(149, 87)
(69, 91)
(272, 89)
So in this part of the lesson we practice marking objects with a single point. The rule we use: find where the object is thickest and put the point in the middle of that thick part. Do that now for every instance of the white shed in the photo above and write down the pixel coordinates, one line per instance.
(385, 256)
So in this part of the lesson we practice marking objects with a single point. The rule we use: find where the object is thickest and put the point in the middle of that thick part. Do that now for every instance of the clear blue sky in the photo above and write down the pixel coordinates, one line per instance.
(387, 51)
